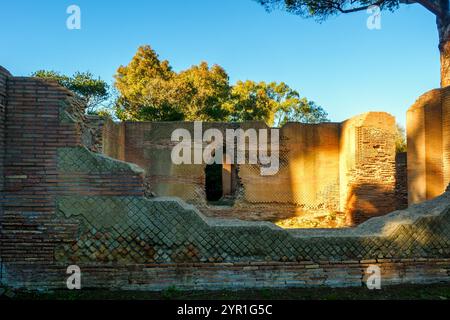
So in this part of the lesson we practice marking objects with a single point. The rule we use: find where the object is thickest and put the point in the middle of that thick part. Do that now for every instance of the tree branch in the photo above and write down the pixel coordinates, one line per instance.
(432, 6)
(340, 9)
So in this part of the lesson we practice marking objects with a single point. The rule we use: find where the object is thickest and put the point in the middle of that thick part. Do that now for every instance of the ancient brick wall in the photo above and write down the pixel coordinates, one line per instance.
(327, 168)
(367, 162)
(64, 204)
(40, 119)
(309, 170)
(113, 140)
(401, 181)
(428, 145)
(33, 134)
(4, 75)
(103, 135)
(446, 135)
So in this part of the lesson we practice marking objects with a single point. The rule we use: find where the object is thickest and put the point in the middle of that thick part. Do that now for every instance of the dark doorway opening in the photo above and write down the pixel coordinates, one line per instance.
(213, 182)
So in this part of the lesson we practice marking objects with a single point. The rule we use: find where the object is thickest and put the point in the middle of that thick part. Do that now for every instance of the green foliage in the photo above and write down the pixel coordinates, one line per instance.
(274, 103)
(104, 112)
(144, 86)
(322, 9)
(149, 90)
(93, 91)
(208, 90)
(252, 101)
(400, 139)
(53, 76)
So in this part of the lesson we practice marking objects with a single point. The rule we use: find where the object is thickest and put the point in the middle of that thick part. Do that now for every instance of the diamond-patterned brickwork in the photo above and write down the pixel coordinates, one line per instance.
(131, 229)
(80, 159)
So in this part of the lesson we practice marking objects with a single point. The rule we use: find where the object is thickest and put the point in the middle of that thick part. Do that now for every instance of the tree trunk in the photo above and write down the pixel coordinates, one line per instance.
(444, 48)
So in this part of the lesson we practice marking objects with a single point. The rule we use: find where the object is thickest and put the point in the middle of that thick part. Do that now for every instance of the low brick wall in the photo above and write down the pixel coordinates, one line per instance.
(234, 276)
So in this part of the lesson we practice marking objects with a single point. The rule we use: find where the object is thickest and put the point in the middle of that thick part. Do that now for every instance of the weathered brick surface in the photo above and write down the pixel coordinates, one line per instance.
(215, 276)
(33, 134)
(109, 137)
(367, 163)
(428, 130)
(324, 168)
(446, 136)
(4, 75)
(64, 204)
(401, 181)
(36, 120)
(166, 231)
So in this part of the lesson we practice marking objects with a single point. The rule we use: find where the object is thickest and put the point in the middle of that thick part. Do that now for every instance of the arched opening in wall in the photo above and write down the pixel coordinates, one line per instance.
(213, 182)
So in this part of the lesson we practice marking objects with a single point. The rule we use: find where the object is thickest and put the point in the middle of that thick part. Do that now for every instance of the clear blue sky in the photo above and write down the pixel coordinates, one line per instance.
(340, 64)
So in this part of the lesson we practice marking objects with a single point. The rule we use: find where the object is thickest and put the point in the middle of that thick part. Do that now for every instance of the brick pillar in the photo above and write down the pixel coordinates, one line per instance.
(367, 166)
(446, 134)
(427, 130)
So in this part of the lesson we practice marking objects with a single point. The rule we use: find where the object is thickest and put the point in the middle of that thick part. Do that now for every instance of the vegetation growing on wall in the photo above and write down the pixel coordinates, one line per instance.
(93, 91)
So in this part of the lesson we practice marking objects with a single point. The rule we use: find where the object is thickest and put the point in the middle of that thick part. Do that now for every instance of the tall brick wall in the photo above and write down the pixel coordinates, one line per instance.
(327, 168)
(38, 119)
(33, 134)
(309, 170)
(428, 145)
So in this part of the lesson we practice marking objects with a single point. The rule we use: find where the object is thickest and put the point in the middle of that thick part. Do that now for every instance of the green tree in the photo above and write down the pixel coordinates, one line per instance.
(145, 88)
(400, 139)
(93, 91)
(274, 103)
(322, 9)
(251, 101)
(150, 90)
(209, 90)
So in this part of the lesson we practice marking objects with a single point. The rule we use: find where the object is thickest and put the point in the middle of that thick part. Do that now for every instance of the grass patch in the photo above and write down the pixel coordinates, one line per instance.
(401, 292)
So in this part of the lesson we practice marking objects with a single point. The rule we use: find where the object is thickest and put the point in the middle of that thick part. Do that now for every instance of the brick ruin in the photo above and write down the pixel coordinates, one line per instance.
(347, 168)
(428, 130)
(99, 195)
